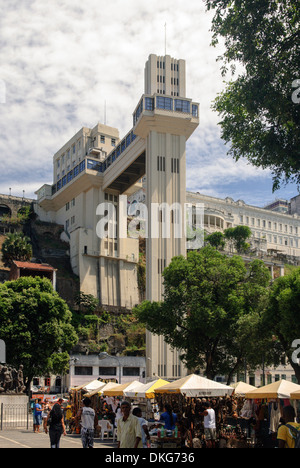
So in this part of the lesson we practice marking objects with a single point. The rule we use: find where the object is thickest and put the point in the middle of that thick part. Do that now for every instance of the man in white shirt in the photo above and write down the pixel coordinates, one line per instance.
(144, 427)
(210, 431)
(129, 433)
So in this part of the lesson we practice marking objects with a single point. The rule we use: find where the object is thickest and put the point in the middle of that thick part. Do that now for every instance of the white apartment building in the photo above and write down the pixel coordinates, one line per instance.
(273, 232)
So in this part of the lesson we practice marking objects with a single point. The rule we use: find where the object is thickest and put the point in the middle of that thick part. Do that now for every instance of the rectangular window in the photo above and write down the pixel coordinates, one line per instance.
(161, 163)
(175, 165)
(164, 103)
(182, 106)
(82, 166)
(195, 110)
(102, 139)
(149, 103)
(113, 142)
(161, 265)
(83, 370)
(131, 371)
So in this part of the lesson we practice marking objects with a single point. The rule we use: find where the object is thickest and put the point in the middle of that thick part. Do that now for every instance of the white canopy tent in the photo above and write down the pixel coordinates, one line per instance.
(145, 390)
(241, 388)
(196, 386)
(94, 385)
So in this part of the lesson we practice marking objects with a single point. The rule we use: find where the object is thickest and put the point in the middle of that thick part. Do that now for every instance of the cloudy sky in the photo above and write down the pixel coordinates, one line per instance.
(62, 60)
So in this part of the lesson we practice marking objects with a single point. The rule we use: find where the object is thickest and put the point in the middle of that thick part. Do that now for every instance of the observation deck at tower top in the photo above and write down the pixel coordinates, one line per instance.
(167, 111)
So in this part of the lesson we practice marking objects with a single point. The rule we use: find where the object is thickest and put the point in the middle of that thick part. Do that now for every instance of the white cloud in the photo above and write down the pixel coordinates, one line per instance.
(62, 60)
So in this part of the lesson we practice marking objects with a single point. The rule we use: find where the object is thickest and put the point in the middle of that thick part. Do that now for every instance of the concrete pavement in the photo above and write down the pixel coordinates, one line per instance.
(23, 438)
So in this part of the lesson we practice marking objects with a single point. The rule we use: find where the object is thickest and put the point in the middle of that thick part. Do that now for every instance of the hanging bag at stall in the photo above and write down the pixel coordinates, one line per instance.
(296, 434)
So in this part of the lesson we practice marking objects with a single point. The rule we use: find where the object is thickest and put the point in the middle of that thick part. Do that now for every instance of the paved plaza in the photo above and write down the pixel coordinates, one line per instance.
(23, 438)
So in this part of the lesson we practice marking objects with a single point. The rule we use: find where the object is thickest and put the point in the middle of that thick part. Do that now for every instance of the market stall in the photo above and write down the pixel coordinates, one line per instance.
(144, 397)
(195, 386)
(119, 389)
(145, 390)
(76, 396)
(281, 389)
(295, 401)
(187, 397)
(241, 388)
(267, 405)
(295, 395)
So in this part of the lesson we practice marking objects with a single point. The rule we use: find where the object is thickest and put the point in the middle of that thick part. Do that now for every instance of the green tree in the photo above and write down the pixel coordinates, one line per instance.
(238, 236)
(283, 314)
(16, 247)
(205, 297)
(35, 324)
(259, 109)
(216, 239)
(86, 302)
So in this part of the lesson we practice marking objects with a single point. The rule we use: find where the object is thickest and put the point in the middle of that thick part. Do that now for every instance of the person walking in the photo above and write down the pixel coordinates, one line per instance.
(89, 422)
(56, 423)
(37, 416)
(129, 433)
(287, 433)
(210, 431)
(144, 427)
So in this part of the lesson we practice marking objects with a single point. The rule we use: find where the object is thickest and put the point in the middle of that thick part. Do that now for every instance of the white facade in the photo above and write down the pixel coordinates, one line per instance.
(122, 369)
(96, 167)
(272, 232)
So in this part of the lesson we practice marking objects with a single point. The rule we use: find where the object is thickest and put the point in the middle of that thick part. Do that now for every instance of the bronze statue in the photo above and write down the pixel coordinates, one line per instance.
(11, 380)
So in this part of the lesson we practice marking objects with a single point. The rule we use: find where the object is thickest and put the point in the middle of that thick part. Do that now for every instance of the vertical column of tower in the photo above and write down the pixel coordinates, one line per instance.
(166, 184)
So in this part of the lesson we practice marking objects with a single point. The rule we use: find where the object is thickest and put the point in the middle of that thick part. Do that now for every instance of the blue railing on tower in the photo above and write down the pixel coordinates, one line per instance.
(147, 103)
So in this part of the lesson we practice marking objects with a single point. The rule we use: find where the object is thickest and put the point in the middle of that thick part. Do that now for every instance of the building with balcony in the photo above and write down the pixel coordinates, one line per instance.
(95, 168)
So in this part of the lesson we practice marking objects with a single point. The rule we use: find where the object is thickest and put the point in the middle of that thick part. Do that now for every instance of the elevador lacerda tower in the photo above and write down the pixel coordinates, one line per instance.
(96, 166)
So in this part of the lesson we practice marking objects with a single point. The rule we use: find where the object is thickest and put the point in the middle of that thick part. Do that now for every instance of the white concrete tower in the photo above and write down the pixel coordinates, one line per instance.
(167, 121)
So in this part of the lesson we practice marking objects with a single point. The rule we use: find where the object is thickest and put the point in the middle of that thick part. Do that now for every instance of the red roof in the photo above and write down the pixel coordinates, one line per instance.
(34, 266)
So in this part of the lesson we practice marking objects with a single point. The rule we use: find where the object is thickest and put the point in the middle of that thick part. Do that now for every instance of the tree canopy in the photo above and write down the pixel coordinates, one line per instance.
(207, 298)
(16, 247)
(35, 324)
(260, 108)
(283, 315)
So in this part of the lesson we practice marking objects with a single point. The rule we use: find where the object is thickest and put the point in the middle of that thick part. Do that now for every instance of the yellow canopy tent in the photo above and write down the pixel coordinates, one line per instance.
(295, 395)
(118, 390)
(281, 389)
(196, 386)
(146, 390)
(241, 388)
